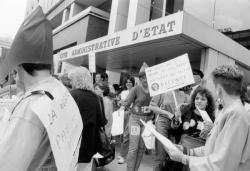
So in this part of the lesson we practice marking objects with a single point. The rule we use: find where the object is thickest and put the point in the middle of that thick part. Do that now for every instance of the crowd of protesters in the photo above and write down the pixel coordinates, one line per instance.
(221, 143)
(175, 114)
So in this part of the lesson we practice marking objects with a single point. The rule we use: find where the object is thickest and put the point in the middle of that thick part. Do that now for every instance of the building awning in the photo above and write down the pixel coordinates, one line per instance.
(153, 42)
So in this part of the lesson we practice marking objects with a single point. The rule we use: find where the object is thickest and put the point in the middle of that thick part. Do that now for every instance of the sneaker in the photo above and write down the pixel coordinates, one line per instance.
(121, 160)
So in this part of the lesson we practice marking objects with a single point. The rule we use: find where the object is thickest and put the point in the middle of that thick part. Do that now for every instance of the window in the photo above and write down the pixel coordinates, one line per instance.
(173, 6)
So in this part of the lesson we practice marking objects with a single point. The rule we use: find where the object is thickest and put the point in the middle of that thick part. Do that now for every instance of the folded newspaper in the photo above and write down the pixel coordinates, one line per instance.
(165, 141)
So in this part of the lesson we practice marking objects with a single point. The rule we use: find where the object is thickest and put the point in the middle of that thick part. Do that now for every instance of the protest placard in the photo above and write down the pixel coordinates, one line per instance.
(170, 75)
(63, 123)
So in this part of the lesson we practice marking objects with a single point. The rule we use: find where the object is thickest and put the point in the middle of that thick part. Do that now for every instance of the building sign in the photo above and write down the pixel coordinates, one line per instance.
(156, 29)
(170, 75)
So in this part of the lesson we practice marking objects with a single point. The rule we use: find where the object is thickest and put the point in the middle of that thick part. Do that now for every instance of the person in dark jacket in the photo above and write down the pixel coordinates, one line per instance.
(90, 109)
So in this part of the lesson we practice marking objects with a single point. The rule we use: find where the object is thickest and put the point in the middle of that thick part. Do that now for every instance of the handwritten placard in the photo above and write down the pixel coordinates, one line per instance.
(62, 120)
(170, 75)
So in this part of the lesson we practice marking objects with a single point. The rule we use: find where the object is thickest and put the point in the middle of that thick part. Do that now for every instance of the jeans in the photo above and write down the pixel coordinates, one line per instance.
(162, 125)
(125, 138)
(136, 144)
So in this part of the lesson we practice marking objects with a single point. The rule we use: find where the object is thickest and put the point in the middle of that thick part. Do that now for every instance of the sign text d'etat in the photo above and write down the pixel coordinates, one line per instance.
(152, 31)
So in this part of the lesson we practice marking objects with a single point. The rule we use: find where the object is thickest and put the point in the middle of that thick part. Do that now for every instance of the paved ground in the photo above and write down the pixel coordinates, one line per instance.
(146, 165)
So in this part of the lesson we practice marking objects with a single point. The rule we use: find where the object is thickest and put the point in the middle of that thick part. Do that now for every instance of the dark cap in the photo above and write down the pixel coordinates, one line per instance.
(32, 43)
(198, 72)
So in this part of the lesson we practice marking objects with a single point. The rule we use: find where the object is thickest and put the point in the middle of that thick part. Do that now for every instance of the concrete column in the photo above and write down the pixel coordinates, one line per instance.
(65, 15)
(74, 9)
(210, 59)
(118, 15)
(139, 12)
(71, 10)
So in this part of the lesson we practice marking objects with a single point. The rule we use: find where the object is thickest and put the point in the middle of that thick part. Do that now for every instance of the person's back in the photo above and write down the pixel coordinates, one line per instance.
(25, 144)
(88, 104)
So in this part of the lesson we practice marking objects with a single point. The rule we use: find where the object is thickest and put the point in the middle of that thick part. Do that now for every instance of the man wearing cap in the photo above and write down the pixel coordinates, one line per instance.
(140, 98)
(25, 144)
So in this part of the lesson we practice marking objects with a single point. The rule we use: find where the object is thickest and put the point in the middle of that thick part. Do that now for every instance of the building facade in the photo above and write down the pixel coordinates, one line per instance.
(121, 34)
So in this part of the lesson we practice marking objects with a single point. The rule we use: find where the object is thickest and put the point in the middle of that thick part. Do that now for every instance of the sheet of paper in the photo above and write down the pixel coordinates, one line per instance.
(165, 141)
(204, 115)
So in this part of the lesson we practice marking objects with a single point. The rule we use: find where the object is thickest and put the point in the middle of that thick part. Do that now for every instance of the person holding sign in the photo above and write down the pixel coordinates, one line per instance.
(193, 130)
(193, 121)
(140, 98)
(27, 144)
(165, 106)
(228, 145)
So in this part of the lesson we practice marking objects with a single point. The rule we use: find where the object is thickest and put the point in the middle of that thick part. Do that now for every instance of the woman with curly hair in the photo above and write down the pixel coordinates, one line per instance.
(193, 130)
(193, 124)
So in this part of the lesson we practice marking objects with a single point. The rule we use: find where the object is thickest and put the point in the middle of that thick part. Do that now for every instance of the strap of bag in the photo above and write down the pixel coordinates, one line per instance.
(41, 92)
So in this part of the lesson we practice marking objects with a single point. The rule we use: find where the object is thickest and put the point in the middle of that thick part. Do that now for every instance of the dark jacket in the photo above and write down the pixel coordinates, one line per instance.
(90, 109)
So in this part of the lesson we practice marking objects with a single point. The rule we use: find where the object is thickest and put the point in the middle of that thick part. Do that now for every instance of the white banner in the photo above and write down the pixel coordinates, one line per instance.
(62, 120)
(170, 75)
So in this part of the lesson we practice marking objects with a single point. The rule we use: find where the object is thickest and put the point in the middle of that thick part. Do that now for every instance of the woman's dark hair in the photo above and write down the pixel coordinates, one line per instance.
(30, 67)
(210, 108)
(130, 78)
(103, 87)
(104, 76)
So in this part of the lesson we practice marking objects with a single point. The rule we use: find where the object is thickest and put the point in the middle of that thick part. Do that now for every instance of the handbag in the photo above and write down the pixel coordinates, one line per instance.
(105, 148)
(191, 142)
(148, 137)
(118, 122)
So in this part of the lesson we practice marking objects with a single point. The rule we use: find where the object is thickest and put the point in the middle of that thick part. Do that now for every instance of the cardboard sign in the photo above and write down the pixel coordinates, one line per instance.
(92, 65)
(66, 67)
(62, 120)
(170, 75)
